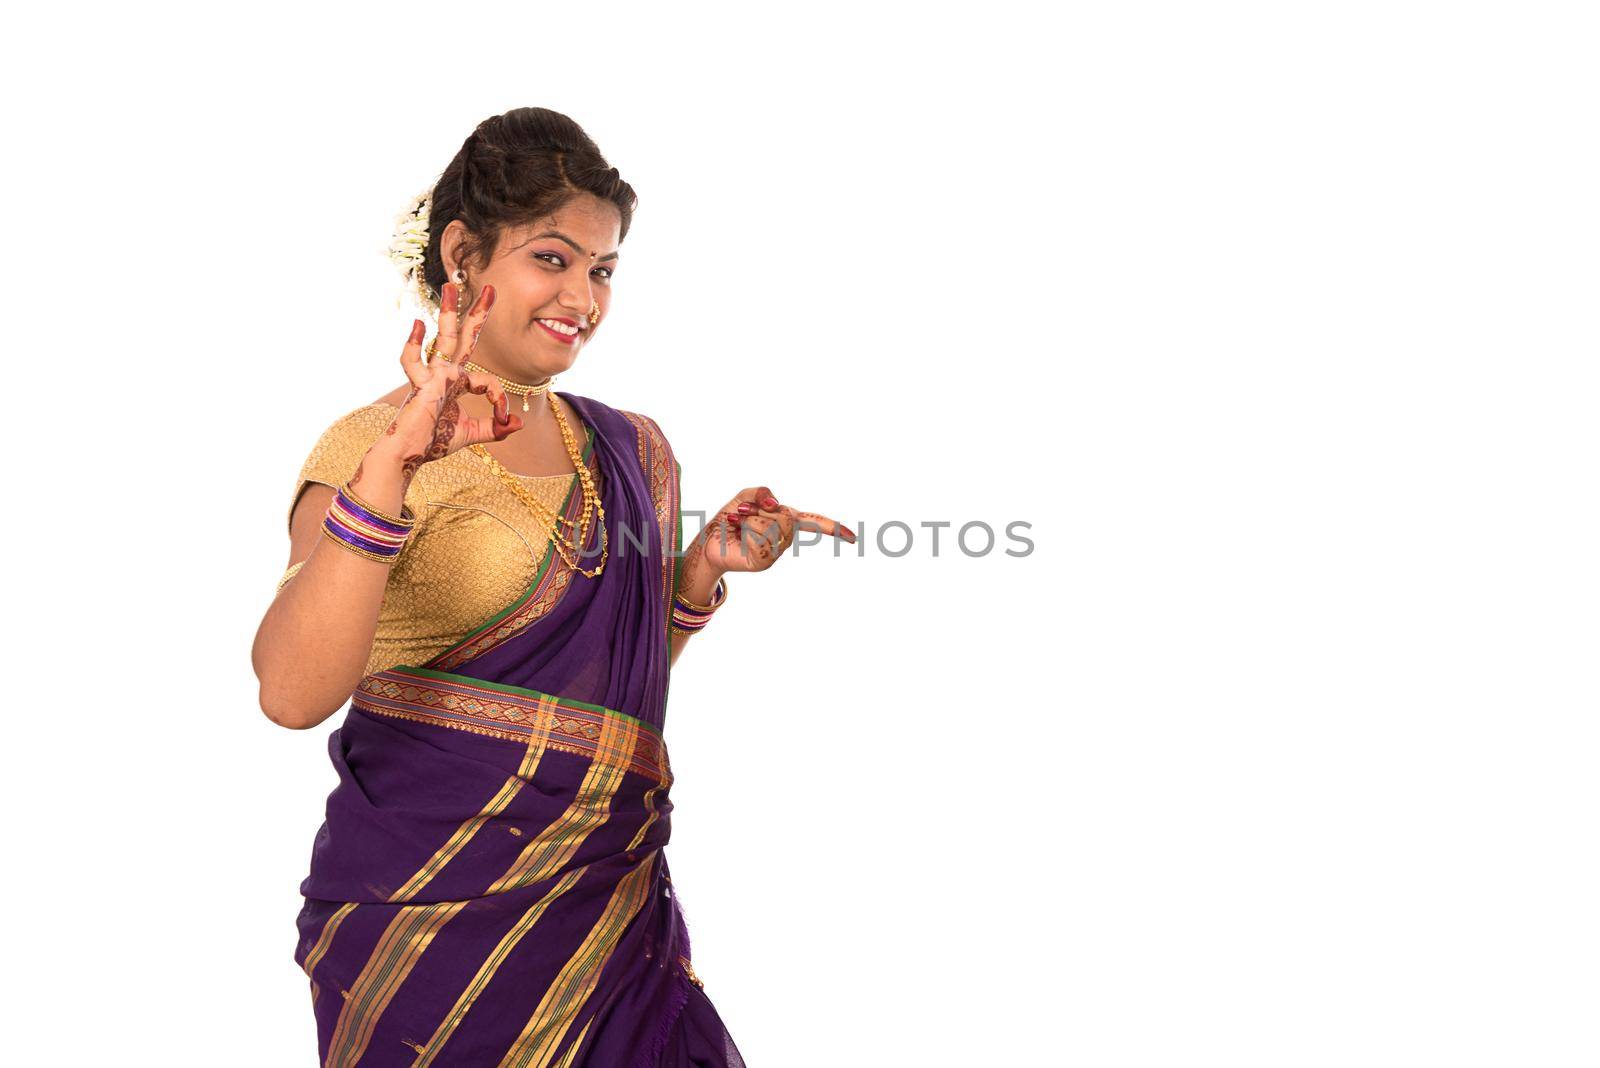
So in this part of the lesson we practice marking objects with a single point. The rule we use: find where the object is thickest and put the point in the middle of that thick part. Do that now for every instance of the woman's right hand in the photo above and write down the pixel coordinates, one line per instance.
(430, 425)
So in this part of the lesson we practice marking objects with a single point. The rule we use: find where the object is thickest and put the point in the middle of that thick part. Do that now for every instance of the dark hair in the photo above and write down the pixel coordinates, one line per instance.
(514, 169)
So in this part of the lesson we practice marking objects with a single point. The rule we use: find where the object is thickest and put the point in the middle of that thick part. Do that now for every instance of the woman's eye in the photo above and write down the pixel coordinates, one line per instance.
(553, 258)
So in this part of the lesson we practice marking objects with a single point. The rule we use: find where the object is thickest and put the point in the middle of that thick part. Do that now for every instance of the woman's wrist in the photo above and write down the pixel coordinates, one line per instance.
(381, 477)
(698, 580)
(690, 617)
(359, 525)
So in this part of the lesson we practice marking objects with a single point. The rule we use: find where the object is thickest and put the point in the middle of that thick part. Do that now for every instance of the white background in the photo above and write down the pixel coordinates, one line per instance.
(1276, 322)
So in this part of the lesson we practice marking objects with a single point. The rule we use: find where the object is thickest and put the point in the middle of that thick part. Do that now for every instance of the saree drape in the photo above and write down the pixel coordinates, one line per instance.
(489, 886)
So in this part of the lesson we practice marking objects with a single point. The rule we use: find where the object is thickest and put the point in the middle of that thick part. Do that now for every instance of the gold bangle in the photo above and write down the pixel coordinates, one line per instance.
(716, 602)
(294, 569)
(341, 543)
(405, 518)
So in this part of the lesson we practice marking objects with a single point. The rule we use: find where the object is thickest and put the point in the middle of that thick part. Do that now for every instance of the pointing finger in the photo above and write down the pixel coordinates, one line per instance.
(830, 527)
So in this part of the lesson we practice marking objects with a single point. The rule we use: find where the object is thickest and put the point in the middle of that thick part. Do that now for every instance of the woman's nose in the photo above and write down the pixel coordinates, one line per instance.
(579, 297)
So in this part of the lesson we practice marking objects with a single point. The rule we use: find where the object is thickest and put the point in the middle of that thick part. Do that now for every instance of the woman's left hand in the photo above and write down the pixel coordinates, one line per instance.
(753, 529)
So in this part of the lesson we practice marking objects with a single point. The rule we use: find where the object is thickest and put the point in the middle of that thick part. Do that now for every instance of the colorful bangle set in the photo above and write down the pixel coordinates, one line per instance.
(689, 617)
(353, 524)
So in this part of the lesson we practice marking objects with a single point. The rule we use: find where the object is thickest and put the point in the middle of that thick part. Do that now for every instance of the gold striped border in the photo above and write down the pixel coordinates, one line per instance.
(457, 841)
(539, 860)
(577, 1044)
(324, 940)
(650, 806)
(396, 953)
(497, 804)
(553, 847)
(568, 994)
(490, 965)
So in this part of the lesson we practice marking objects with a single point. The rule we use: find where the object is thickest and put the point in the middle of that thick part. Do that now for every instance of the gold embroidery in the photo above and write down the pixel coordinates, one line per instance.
(476, 548)
(688, 970)
(485, 636)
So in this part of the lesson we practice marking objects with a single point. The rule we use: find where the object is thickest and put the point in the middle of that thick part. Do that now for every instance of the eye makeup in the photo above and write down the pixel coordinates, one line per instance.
(559, 262)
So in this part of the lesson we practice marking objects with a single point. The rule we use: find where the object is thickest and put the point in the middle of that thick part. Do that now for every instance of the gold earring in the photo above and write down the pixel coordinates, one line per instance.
(460, 279)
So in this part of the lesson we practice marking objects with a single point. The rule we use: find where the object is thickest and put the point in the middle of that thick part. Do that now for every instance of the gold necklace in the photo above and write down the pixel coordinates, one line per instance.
(514, 388)
(568, 549)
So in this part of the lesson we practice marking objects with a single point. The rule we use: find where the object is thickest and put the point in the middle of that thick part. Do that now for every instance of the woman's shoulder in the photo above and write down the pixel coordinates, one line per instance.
(356, 429)
(643, 425)
(340, 448)
(656, 454)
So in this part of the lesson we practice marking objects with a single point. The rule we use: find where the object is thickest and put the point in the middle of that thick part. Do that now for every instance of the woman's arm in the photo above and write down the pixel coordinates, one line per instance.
(313, 644)
(750, 533)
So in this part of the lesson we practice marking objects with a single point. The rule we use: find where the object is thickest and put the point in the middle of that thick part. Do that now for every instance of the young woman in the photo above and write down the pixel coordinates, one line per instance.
(495, 571)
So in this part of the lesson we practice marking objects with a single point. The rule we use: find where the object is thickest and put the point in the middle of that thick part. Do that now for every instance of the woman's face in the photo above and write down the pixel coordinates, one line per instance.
(555, 269)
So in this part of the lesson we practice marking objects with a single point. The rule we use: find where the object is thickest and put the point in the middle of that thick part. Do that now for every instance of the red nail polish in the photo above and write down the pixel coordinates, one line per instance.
(746, 507)
(769, 502)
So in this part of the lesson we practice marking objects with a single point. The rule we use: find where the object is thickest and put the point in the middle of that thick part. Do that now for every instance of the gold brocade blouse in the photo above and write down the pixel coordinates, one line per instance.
(475, 549)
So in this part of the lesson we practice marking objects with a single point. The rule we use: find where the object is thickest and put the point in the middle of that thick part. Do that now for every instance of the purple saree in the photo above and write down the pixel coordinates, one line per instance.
(489, 886)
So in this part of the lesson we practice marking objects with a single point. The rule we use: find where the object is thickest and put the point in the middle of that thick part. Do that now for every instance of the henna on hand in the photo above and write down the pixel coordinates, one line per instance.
(694, 557)
(409, 467)
(444, 428)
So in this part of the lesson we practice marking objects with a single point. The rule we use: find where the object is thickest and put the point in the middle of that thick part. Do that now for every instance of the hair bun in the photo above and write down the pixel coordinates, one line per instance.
(513, 167)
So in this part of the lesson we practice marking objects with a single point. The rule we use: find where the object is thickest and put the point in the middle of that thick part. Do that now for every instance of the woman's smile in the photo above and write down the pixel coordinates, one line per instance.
(555, 328)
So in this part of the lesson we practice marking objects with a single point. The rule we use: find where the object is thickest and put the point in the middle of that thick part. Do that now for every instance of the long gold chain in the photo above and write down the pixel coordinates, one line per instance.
(565, 546)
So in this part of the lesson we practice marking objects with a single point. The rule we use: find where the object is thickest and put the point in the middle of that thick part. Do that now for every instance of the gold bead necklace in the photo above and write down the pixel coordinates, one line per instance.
(514, 388)
(568, 549)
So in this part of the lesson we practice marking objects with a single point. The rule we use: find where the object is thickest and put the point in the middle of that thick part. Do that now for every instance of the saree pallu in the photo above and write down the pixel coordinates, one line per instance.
(489, 886)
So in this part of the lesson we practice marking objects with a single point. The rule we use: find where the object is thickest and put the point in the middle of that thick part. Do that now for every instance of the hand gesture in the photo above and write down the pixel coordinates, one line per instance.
(429, 424)
(753, 530)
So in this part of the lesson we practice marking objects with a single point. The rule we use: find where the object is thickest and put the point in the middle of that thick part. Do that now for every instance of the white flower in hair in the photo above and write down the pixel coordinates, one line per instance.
(409, 243)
